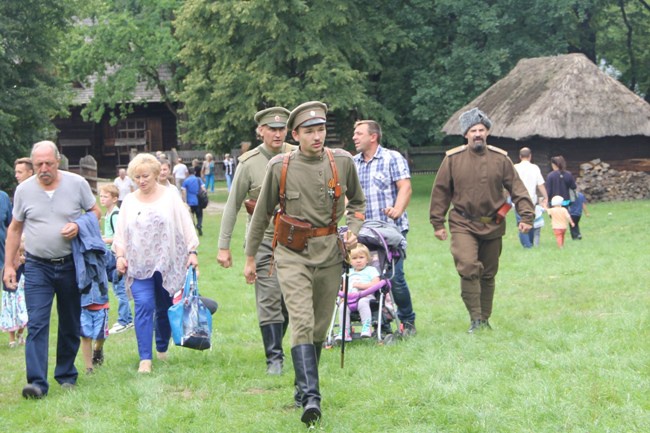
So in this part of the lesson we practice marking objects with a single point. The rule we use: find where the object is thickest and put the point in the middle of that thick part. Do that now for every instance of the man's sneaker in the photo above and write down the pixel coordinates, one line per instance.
(339, 336)
(408, 329)
(119, 328)
(474, 326)
(32, 391)
(68, 386)
(366, 329)
(485, 325)
(98, 357)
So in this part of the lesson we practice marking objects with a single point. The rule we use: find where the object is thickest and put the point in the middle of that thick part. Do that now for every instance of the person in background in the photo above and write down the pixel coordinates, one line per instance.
(45, 207)
(228, 169)
(124, 185)
(208, 171)
(191, 188)
(531, 176)
(154, 244)
(164, 176)
(576, 209)
(473, 177)
(180, 172)
(108, 198)
(560, 181)
(386, 181)
(560, 219)
(23, 169)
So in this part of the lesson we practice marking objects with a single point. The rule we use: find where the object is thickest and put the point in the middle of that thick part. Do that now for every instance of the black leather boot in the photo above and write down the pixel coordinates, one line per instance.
(305, 364)
(297, 394)
(272, 338)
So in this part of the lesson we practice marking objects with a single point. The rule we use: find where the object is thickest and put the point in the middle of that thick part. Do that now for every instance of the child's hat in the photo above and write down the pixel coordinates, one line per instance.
(557, 200)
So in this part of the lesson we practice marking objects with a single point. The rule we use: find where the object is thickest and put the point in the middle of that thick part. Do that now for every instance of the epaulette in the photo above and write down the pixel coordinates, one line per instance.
(279, 157)
(456, 150)
(248, 154)
(340, 152)
(497, 149)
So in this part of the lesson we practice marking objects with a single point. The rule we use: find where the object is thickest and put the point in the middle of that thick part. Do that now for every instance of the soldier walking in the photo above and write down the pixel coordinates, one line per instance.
(309, 184)
(271, 311)
(474, 177)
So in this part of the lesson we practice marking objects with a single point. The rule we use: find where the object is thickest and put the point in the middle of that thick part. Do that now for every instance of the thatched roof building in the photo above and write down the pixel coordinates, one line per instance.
(564, 105)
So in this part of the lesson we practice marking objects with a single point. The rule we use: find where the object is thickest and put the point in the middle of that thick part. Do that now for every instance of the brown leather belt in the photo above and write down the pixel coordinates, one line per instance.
(323, 231)
(480, 219)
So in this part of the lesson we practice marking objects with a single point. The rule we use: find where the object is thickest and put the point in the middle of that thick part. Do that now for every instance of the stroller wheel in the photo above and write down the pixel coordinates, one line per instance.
(389, 339)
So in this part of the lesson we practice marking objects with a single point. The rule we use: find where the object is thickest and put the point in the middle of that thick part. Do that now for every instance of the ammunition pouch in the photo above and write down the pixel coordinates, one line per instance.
(249, 204)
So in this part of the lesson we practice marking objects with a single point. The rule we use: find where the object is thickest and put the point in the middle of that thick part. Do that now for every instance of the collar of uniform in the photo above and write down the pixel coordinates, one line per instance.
(304, 157)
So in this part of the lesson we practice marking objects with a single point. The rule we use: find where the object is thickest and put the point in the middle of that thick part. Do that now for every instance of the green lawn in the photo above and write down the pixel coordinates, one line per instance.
(569, 352)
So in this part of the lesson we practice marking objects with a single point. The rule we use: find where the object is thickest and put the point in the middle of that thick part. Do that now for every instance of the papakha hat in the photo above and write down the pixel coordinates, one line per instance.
(471, 118)
(275, 117)
(307, 114)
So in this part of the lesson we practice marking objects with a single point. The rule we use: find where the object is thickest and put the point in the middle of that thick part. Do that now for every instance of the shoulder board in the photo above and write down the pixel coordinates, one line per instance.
(340, 152)
(497, 149)
(456, 150)
(278, 158)
(248, 154)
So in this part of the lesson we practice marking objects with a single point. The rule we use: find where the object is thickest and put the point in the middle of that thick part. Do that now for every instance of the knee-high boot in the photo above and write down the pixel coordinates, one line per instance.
(305, 364)
(272, 338)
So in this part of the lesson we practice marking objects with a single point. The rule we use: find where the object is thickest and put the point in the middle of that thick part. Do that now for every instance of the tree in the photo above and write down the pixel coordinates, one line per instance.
(245, 56)
(30, 91)
(117, 44)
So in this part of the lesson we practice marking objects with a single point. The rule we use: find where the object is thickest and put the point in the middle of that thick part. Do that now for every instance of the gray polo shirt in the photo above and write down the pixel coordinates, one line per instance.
(44, 216)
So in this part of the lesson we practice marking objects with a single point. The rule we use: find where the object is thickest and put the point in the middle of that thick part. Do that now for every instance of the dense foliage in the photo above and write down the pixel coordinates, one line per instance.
(408, 64)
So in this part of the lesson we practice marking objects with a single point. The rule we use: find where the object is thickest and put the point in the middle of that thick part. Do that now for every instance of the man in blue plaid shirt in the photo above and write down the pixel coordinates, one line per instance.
(386, 181)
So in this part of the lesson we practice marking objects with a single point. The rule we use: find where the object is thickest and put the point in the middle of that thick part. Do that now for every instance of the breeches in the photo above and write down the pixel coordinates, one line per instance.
(268, 296)
(310, 296)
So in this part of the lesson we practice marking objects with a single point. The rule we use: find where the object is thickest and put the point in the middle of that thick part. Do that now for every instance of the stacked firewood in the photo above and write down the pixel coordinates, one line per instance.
(599, 182)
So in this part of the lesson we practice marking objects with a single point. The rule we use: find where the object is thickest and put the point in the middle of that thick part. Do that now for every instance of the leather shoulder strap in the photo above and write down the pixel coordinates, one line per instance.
(334, 184)
(283, 179)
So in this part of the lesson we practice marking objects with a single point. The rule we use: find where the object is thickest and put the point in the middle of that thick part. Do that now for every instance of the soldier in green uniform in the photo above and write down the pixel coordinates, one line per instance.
(474, 177)
(271, 312)
(317, 182)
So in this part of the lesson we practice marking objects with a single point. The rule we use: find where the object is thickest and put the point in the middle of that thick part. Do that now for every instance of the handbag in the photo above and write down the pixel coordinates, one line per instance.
(190, 320)
(202, 195)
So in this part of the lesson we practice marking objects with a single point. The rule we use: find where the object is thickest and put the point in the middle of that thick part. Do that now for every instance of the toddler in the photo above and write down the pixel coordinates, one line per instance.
(560, 219)
(13, 316)
(362, 276)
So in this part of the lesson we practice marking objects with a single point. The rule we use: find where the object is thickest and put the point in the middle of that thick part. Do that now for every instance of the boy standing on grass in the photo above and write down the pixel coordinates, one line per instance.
(94, 326)
(108, 195)
(560, 219)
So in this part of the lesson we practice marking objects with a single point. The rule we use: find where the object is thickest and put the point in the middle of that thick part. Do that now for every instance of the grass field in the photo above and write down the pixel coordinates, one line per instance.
(570, 350)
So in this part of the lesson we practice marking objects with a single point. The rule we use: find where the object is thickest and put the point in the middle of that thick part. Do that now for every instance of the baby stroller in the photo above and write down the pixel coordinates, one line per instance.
(387, 246)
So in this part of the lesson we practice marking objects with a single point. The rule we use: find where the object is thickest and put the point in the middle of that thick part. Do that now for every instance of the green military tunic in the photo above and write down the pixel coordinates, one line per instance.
(475, 183)
(247, 184)
(309, 279)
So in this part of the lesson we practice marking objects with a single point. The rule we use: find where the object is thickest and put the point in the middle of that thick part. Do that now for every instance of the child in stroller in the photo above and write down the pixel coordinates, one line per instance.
(360, 278)
(386, 246)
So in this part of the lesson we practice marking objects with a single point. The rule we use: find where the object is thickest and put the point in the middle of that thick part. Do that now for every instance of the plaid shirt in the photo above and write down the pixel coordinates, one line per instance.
(378, 179)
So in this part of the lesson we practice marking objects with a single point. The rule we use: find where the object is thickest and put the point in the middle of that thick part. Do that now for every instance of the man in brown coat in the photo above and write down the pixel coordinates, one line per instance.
(474, 178)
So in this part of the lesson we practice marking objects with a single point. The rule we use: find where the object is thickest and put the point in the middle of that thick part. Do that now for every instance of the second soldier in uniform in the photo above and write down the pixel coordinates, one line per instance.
(271, 313)
(308, 256)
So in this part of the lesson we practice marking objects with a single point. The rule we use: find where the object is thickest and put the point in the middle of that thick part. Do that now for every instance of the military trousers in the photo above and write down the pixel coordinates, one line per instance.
(310, 296)
(477, 263)
(268, 296)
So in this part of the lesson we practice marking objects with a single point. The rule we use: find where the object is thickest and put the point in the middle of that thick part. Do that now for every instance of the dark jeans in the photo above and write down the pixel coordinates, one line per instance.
(401, 293)
(198, 211)
(42, 282)
(575, 231)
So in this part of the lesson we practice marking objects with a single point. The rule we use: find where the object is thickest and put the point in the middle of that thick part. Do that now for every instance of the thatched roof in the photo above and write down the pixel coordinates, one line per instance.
(559, 97)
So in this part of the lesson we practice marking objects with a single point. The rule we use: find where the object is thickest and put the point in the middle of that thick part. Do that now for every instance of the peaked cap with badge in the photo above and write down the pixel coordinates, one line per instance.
(275, 117)
(471, 118)
(307, 114)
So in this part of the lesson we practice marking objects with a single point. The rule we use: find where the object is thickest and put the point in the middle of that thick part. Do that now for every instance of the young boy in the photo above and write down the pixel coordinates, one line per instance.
(108, 195)
(94, 326)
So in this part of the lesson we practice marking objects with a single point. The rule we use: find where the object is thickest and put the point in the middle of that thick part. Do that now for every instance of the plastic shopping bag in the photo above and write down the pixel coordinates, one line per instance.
(190, 320)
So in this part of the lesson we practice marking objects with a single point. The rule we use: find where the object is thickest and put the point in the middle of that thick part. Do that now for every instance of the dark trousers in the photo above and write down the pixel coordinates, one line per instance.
(198, 211)
(42, 282)
(575, 230)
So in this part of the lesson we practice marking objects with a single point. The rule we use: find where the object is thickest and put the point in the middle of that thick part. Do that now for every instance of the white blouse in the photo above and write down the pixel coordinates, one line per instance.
(156, 236)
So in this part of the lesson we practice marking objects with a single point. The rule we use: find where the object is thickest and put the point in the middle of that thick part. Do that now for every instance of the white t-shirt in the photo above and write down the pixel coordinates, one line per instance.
(124, 186)
(180, 171)
(531, 176)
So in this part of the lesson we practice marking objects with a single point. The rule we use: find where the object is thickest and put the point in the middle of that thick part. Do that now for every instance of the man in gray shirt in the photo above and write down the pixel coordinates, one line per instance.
(45, 207)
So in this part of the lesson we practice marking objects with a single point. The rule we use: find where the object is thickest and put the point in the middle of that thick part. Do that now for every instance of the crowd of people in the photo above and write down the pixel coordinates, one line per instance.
(295, 197)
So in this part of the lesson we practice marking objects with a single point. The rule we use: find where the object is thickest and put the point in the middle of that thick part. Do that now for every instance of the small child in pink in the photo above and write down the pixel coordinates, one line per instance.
(560, 219)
